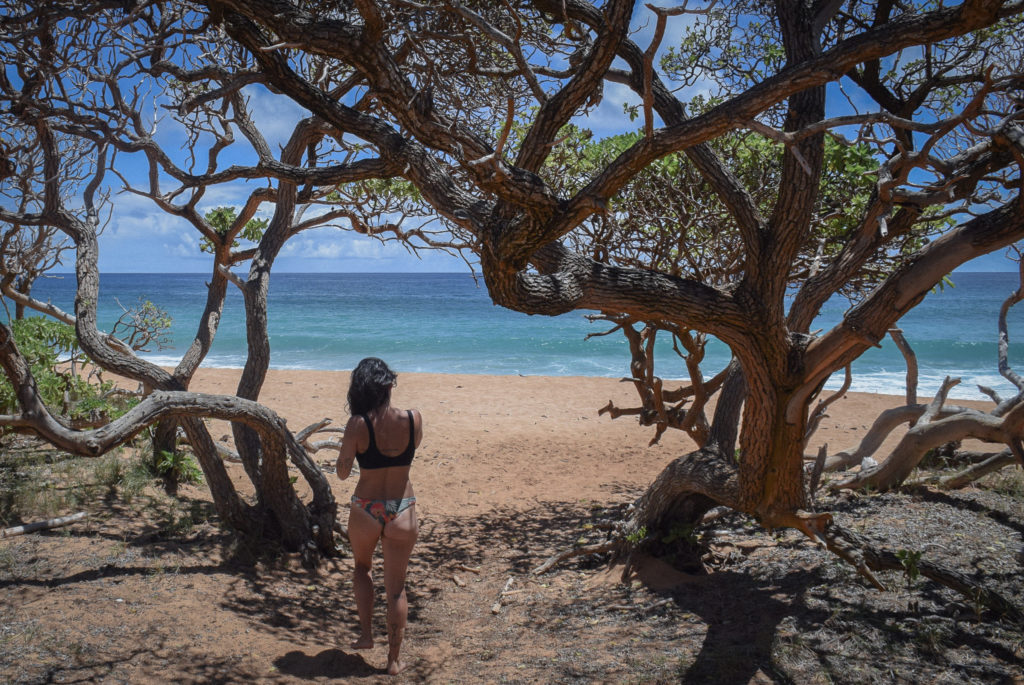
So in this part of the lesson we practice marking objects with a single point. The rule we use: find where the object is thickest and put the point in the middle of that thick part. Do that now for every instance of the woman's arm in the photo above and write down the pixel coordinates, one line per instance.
(349, 443)
(417, 419)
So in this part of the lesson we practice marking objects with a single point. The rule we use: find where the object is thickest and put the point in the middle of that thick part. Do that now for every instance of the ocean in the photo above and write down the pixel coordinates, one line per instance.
(445, 323)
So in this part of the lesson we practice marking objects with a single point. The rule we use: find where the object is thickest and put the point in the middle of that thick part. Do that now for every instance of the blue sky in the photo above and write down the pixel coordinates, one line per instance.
(141, 238)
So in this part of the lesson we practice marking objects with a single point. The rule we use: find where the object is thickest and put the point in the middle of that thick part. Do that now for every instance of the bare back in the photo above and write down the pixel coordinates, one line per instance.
(391, 435)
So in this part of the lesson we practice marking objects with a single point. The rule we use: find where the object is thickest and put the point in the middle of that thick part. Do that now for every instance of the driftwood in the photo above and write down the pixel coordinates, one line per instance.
(938, 423)
(578, 552)
(933, 430)
(972, 473)
(42, 525)
(911, 359)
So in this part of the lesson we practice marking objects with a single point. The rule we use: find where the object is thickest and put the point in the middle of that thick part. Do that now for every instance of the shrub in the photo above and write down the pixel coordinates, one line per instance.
(49, 347)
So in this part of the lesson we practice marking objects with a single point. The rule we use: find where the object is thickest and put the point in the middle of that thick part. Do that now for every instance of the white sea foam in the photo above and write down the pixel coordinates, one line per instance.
(894, 383)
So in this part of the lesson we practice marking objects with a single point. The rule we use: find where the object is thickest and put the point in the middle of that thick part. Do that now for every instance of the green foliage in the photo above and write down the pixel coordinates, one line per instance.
(179, 467)
(223, 219)
(911, 564)
(681, 217)
(395, 188)
(135, 477)
(48, 345)
(947, 281)
(144, 325)
(41, 340)
(680, 531)
(38, 483)
(637, 536)
(670, 219)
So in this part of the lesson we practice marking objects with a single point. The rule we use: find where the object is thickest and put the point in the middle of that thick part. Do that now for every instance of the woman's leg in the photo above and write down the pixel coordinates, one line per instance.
(363, 533)
(399, 537)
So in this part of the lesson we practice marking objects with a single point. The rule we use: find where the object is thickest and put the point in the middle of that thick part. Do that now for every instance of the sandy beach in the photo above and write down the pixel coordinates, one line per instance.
(510, 471)
(492, 442)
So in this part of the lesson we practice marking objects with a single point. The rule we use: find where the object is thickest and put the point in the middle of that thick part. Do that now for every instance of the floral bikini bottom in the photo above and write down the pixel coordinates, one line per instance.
(384, 510)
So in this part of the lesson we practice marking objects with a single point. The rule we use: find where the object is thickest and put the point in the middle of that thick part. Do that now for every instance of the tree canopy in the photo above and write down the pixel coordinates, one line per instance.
(830, 147)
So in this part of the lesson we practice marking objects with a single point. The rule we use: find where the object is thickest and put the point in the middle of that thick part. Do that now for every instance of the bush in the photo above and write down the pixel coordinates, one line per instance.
(48, 346)
(178, 467)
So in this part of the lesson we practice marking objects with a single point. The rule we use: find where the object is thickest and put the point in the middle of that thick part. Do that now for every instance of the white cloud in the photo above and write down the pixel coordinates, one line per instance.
(186, 249)
(275, 115)
(609, 118)
(140, 218)
(367, 248)
(311, 248)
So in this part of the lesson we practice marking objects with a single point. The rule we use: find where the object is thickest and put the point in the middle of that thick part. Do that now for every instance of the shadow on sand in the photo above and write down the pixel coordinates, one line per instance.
(330, 663)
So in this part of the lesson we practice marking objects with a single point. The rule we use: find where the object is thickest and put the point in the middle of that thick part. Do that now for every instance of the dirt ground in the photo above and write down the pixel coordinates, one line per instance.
(149, 589)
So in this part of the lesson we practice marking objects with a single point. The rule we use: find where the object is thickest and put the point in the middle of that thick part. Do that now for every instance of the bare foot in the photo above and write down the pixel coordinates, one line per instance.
(395, 667)
(363, 643)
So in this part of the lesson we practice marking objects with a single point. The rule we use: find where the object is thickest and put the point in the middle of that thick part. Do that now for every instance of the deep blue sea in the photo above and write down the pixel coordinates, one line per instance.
(445, 323)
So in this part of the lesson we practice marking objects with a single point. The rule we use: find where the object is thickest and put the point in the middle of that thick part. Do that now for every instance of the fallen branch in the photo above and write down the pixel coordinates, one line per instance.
(859, 552)
(578, 552)
(42, 525)
(935, 428)
(911, 359)
(227, 454)
(311, 428)
(970, 474)
(496, 607)
(321, 445)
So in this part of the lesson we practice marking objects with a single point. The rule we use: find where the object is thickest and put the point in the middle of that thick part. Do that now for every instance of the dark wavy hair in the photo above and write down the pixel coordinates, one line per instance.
(370, 386)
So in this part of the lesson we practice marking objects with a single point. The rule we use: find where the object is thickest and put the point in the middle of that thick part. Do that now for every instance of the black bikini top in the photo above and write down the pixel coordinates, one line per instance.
(372, 458)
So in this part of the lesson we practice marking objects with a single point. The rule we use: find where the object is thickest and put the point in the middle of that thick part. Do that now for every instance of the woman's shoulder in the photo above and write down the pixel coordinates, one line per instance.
(356, 424)
(355, 420)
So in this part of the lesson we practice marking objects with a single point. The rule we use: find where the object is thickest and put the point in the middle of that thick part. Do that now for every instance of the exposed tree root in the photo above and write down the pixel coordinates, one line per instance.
(691, 486)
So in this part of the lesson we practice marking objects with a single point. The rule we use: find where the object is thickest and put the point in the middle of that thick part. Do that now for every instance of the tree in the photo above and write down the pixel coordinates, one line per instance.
(468, 103)
(82, 83)
(936, 88)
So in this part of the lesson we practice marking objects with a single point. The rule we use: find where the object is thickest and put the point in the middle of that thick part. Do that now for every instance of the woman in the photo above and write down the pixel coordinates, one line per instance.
(383, 439)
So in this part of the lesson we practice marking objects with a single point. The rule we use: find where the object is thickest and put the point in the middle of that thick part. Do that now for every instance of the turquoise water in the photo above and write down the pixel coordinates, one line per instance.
(445, 323)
